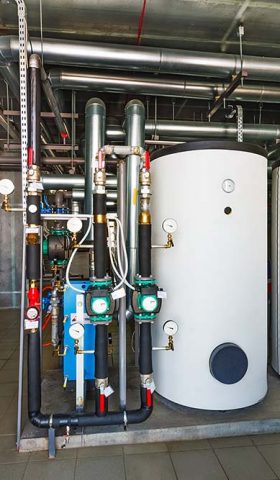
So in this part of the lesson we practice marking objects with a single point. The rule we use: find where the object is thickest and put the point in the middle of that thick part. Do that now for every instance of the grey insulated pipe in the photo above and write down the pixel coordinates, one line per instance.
(143, 59)
(95, 117)
(161, 86)
(135, 136)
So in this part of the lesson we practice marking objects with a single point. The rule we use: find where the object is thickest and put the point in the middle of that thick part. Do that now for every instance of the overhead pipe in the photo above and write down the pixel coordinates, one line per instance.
(168, 86)
(144, 59)
(180, 129)
(53, 104)
(95, 116)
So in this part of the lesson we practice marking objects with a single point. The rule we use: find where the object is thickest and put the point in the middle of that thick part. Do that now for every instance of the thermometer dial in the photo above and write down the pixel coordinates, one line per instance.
(32, 313)
(99, 306)
(74, 225)
(170, 327)
(6, 186)
(76, 331)
(169, 225)
(149, 303)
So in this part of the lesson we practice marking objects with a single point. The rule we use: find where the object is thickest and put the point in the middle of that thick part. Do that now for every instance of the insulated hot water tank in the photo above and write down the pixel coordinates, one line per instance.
(215, 276)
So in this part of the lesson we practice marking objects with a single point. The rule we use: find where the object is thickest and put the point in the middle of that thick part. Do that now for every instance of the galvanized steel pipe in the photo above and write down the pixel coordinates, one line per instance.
(145, 59)
(168, 86)
(54, 182)
(95, 116)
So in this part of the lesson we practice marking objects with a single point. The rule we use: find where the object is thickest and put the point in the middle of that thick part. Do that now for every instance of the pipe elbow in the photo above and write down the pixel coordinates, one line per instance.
(38, 419)
(134, 107)
(95, 106)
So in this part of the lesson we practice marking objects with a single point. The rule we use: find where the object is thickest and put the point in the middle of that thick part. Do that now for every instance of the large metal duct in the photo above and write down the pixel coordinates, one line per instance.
(165, 86)
(145, 59)
(95, 138)
(182, 130)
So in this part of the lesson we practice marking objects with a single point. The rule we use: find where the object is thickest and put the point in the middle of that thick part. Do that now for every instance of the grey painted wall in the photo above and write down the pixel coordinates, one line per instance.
(11, 247)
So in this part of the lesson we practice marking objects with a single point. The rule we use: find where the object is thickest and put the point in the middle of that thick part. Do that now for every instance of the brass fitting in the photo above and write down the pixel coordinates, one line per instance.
(34, 174)
(145, 218)
(100, 218)
(170, 345)
(32, 238)
(6, 206)
(100, 177)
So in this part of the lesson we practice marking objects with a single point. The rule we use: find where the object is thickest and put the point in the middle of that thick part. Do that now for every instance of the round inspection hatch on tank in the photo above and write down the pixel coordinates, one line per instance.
(228, 363)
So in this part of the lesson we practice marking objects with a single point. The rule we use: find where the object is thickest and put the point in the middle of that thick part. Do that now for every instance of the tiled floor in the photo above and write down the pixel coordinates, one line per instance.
(234, 458)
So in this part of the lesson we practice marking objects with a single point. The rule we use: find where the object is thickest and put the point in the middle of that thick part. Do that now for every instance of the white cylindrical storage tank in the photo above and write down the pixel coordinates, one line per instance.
(275, 268)
(215, 276)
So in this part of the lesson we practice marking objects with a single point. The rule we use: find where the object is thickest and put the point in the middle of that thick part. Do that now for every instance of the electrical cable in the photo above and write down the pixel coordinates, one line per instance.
(72, 258)
(122, 272)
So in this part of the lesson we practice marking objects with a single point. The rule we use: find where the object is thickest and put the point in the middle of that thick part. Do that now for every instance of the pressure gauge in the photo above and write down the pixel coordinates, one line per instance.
(74, 225)
(149, 303)
(76, 331)
(170, 327)
(6, 186)
(99, 305)
(169, 225)
(32, 313)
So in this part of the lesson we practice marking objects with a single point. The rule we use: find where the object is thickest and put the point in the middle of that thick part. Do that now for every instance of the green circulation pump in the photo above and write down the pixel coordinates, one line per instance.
(145, 302)
(99, 303)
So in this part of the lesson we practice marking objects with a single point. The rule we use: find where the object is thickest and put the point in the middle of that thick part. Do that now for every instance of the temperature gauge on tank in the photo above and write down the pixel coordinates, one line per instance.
(6, 186)
(76, 331)
(169, 225)
(170, 327)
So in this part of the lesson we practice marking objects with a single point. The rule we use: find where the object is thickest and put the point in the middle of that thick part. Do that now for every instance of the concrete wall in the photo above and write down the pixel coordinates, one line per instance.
(11, 247)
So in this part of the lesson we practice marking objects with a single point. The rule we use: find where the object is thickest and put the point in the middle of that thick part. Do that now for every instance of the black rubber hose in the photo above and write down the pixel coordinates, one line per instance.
(145, 246)
(33, 261)
(34, 372)
(35, 114)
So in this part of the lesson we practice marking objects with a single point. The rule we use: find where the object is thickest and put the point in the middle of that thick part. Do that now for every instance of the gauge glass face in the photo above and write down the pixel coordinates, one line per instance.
(228, 185)
(169, 225)
(149, 304)
(99, 306)
(6, 186)
(32, 313)
(74, 225)
(76, 331)
(170, 327)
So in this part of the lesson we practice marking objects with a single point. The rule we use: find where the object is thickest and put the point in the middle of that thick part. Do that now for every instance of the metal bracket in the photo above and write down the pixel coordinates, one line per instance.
(236, 80)
(239, 123)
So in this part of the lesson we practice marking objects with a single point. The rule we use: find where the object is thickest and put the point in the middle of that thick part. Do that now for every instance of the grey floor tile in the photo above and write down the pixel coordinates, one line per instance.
(61, 454)
(267, 439)
(50, 470)
(8, 389)
(145, 448)
(109, 468)
(272, 455)
(156, 466)
(8, 452)
(12, 472)
(244, 463)
(231, 442)
(197, 465)
(188, 445)
(110, 450)
(7, 351)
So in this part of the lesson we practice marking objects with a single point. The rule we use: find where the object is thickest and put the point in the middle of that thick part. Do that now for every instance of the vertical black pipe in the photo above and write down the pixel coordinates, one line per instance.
(100, 259)
(35, 109)
(145, 248)
(34, 372)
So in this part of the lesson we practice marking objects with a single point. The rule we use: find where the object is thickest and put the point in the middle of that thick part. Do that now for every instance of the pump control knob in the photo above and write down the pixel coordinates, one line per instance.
(169, 225)
(74, 225)
(6, 186)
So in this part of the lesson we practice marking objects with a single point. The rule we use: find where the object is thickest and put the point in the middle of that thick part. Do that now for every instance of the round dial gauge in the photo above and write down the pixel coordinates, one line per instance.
(149, 303)
(228, 185)
(32, 313)
(99, 305)
(76, 331)
(74, 225)
(170, 327)
(6, 186)
(169, 225)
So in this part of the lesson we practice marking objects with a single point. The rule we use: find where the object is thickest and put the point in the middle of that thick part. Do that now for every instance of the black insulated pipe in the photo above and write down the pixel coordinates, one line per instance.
(33, 261)
(145, 248)
(35, 110)
(100, 234)
(33, 210)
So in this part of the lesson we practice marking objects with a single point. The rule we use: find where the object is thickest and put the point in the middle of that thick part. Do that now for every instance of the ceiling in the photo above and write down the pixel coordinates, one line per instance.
(207, 25)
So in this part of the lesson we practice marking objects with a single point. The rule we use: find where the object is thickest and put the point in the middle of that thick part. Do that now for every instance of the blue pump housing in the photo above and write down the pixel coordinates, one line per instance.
(69, 361)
